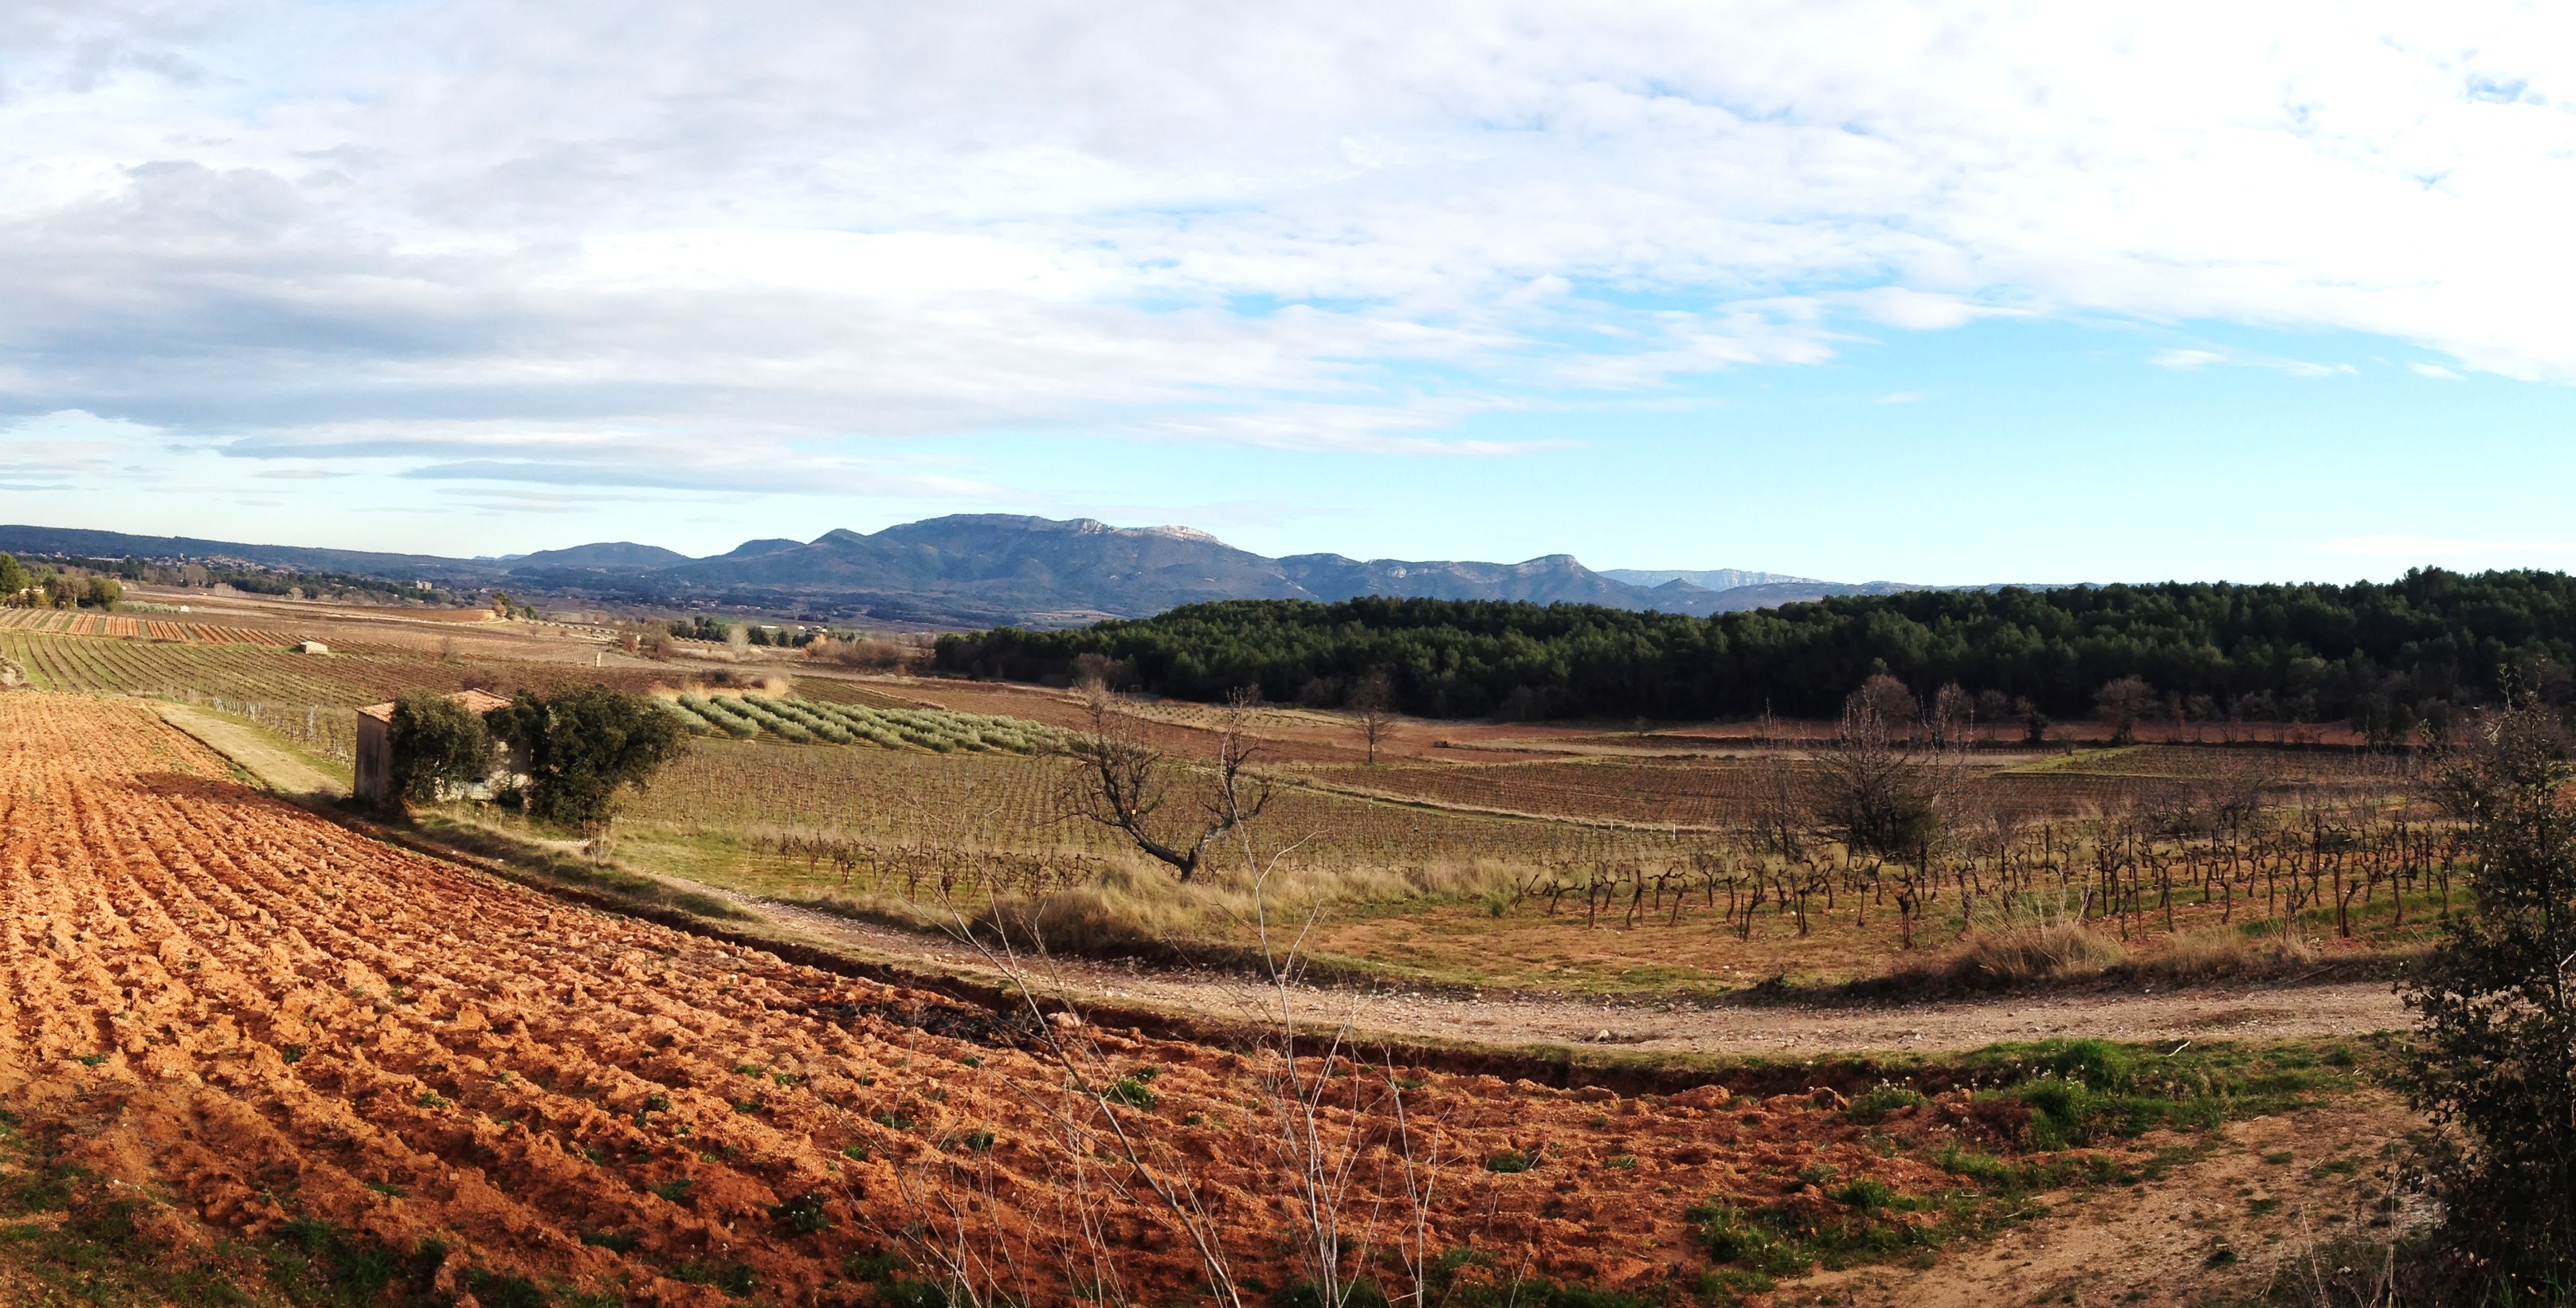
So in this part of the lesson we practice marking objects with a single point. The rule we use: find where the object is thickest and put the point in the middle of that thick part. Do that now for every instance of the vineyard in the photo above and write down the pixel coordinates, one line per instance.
(305, 698)
(808, 722)
(248, 1020)
(1634, 870)
(167, 627)
(274, 677)
(2156, 851)
(1713, 794)
(2299, 883)
(246, 672)
(1004, 801)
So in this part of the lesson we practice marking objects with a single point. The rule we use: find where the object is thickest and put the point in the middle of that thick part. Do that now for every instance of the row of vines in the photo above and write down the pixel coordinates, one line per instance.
(2349, 860)
(130, 627)
(807, 722)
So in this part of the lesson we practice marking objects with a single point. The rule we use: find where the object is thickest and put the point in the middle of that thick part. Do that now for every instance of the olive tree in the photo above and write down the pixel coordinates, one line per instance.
(438, 747)
(581, 747)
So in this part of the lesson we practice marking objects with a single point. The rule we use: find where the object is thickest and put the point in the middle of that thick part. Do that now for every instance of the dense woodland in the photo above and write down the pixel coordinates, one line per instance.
(2385, 657)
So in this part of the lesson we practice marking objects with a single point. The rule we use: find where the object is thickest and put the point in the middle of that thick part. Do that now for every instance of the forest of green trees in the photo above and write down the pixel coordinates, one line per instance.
(2384, 657)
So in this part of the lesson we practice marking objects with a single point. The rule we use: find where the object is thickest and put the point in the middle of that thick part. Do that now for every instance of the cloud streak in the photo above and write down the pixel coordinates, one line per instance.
(583, 244)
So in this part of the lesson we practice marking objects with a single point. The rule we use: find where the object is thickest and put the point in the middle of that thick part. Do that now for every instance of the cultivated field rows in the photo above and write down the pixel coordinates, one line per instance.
(1709, 793)
(1004, 801)
(132, 627)
(344, 679)
(265, 1016)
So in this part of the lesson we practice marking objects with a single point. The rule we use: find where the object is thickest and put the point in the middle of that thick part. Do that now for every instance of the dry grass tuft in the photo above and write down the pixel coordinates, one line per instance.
(2057, 952)
(2024, 954)
(2228, 952)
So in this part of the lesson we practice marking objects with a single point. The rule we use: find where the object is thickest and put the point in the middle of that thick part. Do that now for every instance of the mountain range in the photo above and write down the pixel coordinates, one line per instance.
(982, 569)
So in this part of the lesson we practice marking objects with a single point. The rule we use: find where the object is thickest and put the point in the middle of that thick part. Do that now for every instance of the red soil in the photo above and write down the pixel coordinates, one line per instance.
(262, 1016)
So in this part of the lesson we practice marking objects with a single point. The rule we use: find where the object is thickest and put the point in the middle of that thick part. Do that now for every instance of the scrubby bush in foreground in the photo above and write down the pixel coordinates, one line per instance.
(2496, 1060)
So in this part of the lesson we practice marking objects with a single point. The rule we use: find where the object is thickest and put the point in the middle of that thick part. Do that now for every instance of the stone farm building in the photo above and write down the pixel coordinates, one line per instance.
(375, 746)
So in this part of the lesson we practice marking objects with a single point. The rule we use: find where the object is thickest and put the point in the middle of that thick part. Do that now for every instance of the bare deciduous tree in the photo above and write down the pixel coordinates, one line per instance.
(1122, 781)
(1372, 705)
(1890, 702)
(1953, 717)
(2121, 703)
(1876, 790)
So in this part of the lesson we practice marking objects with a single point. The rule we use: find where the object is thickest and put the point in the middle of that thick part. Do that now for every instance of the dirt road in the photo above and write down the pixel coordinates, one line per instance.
(2230, 1012)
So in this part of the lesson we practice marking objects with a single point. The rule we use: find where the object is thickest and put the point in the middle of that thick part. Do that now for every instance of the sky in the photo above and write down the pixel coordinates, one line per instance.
(1931, 293)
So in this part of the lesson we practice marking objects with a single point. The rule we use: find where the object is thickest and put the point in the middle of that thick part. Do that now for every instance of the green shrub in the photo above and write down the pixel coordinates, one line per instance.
(2492, 1059)
(1130, 1092)
(437, 747)
(1730, 1238)
(1881, 1100)
(2099, 1064)
(1307, 1294)
(803, 1214)
(581, 747)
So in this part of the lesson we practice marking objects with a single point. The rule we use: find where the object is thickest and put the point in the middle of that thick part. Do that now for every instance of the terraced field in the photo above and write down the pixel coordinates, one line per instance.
(269, 1026)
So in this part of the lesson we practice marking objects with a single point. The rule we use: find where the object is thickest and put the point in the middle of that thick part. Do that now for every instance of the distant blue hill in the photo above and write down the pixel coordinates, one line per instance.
(982, 569)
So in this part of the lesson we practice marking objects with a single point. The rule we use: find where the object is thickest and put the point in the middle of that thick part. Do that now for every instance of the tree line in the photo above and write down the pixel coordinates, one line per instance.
(22, 587)
(2383, 656)
(253, 579)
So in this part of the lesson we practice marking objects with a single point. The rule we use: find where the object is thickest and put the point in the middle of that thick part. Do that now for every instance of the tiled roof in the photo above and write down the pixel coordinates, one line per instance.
(478, 701)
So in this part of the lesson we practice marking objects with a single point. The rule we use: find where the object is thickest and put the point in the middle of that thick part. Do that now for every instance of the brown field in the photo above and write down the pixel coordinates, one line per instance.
(466, 633)
(157, 627)
(1595, 874)
(254, 1024)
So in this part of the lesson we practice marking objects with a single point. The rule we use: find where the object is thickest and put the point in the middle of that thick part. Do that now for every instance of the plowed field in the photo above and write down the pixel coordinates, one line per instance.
(186, 631)
(261, 1018)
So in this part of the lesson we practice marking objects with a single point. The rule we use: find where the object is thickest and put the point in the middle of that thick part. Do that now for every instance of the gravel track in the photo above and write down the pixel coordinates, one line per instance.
(2274, 1011)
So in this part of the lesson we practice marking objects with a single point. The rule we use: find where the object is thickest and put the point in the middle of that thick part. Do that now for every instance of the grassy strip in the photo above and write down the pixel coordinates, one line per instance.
(446, 836)
(2063, 1105)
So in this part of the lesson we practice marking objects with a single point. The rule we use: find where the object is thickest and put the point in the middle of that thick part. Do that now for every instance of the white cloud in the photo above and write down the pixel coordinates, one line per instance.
(2186, 360)
(1913, 310)
(2436, 371)
(2192, 360)
(408, 233)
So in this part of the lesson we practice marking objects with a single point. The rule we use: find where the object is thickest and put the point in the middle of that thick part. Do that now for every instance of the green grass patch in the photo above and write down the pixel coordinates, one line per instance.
(1131, 1092)
(2064, 1104)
